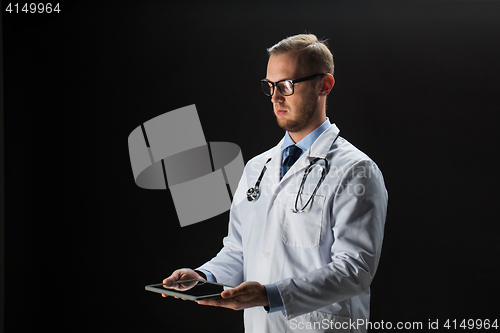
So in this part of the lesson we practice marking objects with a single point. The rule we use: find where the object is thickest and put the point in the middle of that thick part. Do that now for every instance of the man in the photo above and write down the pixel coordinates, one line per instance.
(302, 253)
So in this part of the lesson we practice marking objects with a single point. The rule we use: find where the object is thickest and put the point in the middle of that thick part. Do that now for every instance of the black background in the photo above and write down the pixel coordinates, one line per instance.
(416, 89)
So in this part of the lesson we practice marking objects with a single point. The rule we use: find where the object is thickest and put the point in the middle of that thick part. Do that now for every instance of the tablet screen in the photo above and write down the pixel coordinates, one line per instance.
(202, 290)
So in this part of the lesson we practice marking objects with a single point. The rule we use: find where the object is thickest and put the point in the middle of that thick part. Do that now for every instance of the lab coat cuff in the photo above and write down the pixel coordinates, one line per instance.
(274, 298)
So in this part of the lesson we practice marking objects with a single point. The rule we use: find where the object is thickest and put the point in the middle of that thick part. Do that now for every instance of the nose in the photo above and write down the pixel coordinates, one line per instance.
(277, 97)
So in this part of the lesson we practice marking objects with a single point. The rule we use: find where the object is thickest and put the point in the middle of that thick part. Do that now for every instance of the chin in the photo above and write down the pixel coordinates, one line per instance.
(289, 125)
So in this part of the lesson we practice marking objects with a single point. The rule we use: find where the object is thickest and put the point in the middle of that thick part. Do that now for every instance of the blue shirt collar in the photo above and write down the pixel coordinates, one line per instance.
(308, 140)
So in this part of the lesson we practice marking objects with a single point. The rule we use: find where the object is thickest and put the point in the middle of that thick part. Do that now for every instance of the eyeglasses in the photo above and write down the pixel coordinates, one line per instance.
(285, 87)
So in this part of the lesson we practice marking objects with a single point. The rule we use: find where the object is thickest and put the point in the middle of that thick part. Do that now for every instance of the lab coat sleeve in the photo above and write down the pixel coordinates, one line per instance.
(227, 266)
(358, 211)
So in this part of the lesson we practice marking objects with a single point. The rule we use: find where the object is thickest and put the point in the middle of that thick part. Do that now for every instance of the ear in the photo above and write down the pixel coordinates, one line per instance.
(327, 84)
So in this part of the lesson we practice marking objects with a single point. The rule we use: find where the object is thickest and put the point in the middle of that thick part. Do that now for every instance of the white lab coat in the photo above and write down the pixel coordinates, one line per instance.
(322, 261)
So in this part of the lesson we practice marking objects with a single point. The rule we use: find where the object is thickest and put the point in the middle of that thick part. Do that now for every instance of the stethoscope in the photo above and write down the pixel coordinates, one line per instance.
(253, 193)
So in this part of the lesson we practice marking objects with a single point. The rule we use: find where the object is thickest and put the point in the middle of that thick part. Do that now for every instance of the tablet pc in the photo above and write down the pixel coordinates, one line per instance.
(202, 290)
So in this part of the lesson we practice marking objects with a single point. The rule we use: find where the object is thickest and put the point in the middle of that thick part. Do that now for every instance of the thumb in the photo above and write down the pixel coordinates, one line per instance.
(230, 293)
(172, 278)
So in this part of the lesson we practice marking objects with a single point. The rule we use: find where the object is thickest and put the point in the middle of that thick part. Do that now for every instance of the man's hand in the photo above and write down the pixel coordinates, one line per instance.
(182, 274)
(246, 295)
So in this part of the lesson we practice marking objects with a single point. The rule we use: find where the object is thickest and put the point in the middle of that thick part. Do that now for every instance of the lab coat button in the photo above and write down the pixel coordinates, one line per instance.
(276, 202)
(267, 253)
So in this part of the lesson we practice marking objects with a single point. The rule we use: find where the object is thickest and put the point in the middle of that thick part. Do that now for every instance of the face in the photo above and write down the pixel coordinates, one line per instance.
(299, 111)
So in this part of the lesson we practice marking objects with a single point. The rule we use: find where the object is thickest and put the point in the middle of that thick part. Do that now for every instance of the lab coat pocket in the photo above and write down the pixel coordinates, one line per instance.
(303, 229)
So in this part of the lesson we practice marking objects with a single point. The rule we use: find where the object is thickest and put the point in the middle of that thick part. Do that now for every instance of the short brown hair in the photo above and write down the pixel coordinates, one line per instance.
(314, 54)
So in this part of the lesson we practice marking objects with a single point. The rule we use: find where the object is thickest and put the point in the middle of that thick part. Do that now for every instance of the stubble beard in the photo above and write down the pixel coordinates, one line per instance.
(304, 113)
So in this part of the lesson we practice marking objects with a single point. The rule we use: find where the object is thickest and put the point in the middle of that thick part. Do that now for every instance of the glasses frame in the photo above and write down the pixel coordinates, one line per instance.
(275, 84)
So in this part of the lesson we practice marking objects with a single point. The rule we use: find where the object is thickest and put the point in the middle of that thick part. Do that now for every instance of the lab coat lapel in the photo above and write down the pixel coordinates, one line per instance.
(275, 166)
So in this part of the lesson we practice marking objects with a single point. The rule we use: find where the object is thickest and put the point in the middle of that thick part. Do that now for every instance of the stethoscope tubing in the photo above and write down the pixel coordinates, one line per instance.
(309, 168)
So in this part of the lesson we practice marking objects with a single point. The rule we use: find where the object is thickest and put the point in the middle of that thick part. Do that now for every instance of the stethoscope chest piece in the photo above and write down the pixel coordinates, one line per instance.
(253, 194)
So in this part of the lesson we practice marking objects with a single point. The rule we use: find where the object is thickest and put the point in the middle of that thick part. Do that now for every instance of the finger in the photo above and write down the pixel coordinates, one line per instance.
(230, 304)
(211, 302)
(173, 277)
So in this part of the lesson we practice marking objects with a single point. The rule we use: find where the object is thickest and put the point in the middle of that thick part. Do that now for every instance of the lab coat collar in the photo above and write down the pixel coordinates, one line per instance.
(322, 145)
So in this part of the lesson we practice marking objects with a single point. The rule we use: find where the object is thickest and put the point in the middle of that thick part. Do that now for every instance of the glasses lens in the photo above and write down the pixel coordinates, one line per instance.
(286, 87)
(267, 88)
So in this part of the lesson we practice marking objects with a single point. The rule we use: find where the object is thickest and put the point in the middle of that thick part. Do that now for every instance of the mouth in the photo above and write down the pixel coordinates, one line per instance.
(281, 112)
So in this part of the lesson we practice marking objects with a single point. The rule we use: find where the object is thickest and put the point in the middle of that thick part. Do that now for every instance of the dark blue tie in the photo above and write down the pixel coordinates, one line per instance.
(294, 153)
